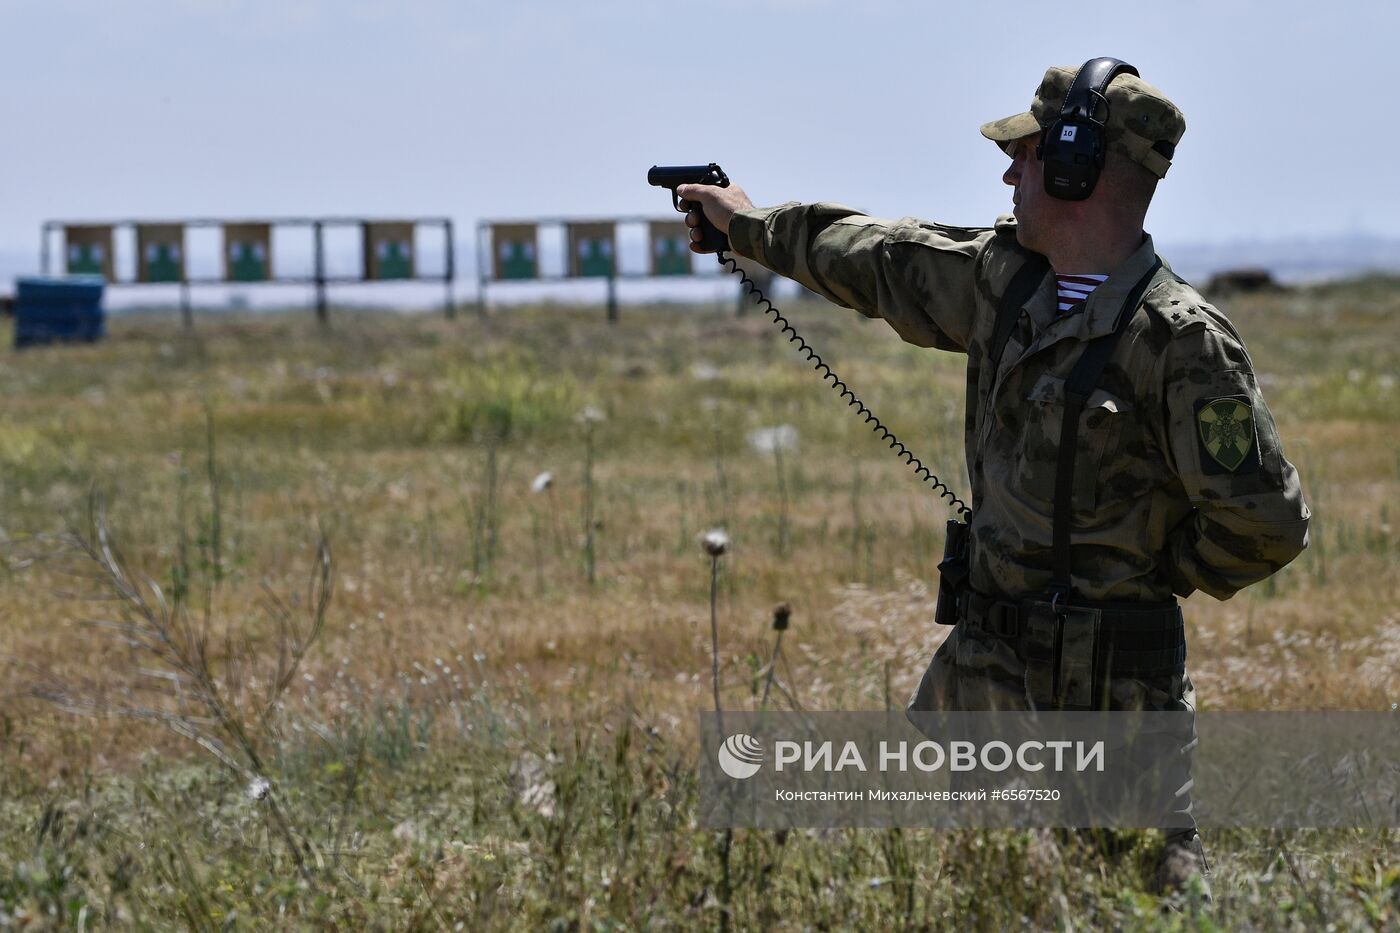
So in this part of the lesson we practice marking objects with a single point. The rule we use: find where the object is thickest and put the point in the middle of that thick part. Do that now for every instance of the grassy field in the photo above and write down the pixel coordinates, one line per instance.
(490, 724)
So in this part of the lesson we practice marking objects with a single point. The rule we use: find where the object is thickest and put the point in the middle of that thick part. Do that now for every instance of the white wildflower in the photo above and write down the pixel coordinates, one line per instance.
(529, 779)
(704, 372)
(409, 831)
(590, 415)
(782, 437)
(715, 542)
(542, 482)
(257, 788)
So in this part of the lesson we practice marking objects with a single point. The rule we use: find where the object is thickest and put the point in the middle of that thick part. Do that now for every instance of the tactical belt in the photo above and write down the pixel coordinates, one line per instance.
(1137, 639)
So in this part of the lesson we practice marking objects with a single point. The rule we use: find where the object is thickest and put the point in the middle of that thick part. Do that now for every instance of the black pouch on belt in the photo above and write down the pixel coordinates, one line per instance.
(1061, 641)
(953, 573)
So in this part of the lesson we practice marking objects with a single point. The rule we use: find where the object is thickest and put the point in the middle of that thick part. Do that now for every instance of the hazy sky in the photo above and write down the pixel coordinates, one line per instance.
(472, 109)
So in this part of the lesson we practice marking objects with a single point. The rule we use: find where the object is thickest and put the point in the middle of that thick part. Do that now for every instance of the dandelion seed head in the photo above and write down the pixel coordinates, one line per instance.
(542, 482)
(258, 788)
(715, 542)
(590, 415)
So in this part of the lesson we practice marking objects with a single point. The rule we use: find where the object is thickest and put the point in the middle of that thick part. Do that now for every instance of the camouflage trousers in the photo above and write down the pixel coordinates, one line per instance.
(973, 672)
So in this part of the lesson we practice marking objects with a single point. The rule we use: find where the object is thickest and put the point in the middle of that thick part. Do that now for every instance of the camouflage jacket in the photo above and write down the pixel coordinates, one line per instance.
(1180, 480)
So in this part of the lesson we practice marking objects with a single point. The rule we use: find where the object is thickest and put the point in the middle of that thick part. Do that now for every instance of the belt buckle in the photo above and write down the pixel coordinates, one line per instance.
(1003, 618)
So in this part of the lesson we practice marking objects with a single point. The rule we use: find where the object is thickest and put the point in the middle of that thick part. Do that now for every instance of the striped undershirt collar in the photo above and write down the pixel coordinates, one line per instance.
(1074, 290)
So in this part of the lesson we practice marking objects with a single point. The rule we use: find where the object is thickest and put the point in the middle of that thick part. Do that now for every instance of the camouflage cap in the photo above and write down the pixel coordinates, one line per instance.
(1139, 118)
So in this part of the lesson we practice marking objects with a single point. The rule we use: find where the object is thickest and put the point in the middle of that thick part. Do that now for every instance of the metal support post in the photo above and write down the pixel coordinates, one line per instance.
(322, 314)
(451, 272)
(186, 312)
(481, 270)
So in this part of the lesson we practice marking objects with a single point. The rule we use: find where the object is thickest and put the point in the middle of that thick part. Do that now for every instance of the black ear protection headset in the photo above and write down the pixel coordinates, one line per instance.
(1073, 147)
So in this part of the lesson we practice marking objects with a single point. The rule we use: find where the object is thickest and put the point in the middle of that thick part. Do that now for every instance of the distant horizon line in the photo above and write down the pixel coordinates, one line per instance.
(468, 242)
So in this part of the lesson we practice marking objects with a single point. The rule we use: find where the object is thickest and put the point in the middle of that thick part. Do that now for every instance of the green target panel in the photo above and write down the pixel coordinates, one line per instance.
(388, 247)
(593, 249)
(248, 252)
(88, 251)
(670, 248)
(515, 251)
(160, 253)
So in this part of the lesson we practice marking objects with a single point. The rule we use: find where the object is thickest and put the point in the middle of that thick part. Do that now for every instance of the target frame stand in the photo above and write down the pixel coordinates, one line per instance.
(162, 258)
(507, 251)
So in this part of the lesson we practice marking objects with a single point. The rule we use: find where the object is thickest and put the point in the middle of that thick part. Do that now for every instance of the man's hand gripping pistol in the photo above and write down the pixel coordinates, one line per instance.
(672, 176)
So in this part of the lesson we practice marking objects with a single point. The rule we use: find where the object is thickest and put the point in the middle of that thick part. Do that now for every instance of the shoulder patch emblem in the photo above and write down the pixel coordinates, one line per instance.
(1226, 430)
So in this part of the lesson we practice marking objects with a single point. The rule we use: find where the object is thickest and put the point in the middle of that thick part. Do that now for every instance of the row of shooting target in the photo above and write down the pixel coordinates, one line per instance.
(592, 249)
(247, 255)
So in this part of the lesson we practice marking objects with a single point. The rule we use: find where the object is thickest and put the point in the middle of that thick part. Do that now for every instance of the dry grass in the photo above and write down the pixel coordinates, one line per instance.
(378, 434)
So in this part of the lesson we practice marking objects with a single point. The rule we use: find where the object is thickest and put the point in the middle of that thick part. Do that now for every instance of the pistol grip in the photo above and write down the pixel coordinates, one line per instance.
(711, 239)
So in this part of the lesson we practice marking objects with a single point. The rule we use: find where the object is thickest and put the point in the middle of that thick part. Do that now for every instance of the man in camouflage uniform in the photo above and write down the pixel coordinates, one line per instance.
(1180, 482)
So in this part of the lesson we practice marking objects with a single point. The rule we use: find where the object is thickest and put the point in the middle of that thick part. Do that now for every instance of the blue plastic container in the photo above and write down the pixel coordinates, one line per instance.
(50, 310)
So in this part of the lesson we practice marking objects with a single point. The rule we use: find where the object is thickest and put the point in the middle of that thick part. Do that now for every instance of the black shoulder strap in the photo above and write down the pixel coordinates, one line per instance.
(1018, 292)
(1082, 381)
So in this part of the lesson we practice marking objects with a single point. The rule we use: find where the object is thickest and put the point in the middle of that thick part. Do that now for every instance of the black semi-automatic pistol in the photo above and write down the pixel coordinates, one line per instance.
(671, 176)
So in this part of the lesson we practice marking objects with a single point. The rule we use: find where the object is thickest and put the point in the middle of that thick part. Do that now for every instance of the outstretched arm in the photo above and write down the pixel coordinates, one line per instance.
(918, 277)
